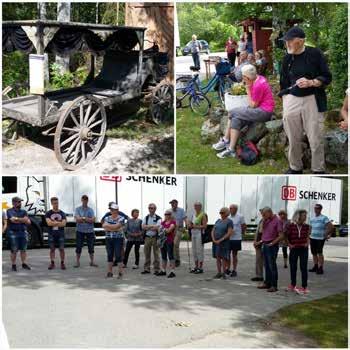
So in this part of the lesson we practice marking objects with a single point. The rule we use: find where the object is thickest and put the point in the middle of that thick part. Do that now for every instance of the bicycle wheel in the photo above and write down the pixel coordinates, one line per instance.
(224, 86)
(200, 104)
(182, 87)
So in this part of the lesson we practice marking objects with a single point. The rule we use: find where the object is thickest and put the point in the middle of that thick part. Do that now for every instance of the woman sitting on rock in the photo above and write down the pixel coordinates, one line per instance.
(260, 108)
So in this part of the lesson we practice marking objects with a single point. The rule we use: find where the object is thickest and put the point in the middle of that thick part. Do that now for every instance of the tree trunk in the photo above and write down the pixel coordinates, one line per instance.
(63, 15)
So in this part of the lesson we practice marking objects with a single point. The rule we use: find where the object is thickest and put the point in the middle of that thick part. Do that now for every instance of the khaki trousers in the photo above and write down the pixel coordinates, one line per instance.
(300, 114)
(177, 240)
(259, 262)
(151, 243)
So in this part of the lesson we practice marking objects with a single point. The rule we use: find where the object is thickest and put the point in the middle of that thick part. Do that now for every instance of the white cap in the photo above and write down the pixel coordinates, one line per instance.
(114, 206)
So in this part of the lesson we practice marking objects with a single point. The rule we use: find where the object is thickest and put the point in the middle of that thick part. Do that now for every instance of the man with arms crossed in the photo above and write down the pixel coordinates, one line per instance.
(56, 220)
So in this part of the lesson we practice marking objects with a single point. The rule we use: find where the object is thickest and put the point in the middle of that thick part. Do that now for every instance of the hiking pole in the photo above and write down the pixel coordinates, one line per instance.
(188, 253)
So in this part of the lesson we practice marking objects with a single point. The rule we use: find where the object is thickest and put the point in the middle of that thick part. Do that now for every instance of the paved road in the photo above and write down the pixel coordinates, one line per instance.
(81, 308)
(183, 63)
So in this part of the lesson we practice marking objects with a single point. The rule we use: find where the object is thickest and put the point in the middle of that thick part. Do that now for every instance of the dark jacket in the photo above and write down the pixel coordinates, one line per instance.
(317, 68)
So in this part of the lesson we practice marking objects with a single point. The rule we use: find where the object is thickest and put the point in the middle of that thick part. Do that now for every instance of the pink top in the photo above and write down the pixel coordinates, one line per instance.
(271, 229)
(170, 236)
(261, 94)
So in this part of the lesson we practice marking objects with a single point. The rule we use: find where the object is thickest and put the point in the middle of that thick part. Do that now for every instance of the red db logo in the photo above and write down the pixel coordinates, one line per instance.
(111, 178)
(289, 193)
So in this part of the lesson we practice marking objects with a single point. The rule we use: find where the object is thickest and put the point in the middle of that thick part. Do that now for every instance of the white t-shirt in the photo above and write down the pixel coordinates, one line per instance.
(238, 221)
(152, 220)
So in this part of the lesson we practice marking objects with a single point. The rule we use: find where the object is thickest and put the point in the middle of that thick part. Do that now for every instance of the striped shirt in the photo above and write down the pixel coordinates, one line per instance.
(113, 221)
(297, 235)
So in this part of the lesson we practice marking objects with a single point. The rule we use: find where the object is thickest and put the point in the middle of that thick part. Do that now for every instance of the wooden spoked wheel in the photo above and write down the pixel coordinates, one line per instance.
(80, 132)
(162, 102)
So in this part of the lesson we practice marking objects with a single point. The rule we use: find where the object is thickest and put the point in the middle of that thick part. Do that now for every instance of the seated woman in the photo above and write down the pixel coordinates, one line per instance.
(261, 106)
(260, 62)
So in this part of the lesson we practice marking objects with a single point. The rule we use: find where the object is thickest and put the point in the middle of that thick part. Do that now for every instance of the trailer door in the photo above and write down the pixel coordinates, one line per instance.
(214, 197)
(249, 199)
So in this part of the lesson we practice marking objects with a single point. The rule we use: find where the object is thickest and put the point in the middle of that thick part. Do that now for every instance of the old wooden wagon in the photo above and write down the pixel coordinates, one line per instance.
(76, 117)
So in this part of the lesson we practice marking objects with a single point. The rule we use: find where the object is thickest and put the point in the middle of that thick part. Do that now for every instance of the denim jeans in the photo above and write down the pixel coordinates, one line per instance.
(18, 241)
(303, 255)
(114, 247)
(90, 240)
(271, 272)
(56, 240)
(196, 60)
(129, 245)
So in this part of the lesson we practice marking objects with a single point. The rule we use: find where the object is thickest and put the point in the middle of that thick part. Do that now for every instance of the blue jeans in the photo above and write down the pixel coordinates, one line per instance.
(90, 240)
(167, 251)
(271, 272)
(18, 241)
(196, 60)
(114, 247)
(56, 240)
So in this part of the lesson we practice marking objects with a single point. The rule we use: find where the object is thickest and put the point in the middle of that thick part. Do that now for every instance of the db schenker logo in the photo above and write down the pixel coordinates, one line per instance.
(289, 193)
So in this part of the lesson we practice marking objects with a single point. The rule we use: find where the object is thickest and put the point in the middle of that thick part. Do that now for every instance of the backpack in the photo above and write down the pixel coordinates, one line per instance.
(248, 153)
(147, 217)
(205, 234)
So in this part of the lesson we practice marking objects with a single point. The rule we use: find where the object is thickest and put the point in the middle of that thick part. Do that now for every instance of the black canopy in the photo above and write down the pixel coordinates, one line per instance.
(68, 37)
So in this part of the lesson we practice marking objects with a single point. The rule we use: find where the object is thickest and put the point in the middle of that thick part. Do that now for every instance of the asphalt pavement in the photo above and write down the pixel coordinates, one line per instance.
(81, 308)
(183, 63)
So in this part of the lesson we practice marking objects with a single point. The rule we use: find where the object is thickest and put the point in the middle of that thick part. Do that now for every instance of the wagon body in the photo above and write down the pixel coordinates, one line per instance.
(80, 112)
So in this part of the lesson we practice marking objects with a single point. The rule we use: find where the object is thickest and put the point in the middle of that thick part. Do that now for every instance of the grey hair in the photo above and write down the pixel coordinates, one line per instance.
(297, 214)
(249, 71)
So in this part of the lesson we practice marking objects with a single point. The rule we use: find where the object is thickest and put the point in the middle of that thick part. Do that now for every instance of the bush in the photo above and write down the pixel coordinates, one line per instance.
(338, 56)
(13, 76)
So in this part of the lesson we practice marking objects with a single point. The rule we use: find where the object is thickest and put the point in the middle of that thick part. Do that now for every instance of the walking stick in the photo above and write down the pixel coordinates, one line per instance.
(188, 253)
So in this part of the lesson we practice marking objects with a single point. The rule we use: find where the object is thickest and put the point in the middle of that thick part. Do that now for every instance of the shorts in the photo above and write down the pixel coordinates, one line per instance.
(18, 242)
(316, 246)
(167, 251)
(235, 245)
(242, 116)
(90, 239)
(56, 240)
(221, 250)
(114, 248)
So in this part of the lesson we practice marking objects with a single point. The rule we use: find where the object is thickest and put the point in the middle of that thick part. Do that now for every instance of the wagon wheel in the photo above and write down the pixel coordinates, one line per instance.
(162, 102)
(80, 132)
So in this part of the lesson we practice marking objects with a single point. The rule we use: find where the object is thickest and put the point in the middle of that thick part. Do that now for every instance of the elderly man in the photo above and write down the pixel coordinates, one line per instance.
(237, 72)
(180, 216)
(18, 221)
(259, 257)
(272, 233)
(151, 225)
(239, 227)
(303, 80)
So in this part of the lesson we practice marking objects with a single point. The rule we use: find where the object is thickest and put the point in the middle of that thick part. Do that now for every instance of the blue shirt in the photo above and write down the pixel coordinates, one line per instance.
(221, 228)
(113, 221)
(120, 213)
(56, 216)
(318, 227)
(19, 228)
(87, 212)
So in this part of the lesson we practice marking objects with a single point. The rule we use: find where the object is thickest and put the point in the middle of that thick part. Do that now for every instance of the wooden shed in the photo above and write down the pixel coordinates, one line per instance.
(158, 18)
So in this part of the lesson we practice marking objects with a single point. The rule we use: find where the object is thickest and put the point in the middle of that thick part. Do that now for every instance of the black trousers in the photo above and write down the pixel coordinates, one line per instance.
(302, 254)
(129, 245)
(232, 58)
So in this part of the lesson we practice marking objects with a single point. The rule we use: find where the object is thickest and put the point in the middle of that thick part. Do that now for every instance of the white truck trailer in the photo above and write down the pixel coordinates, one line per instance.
(249, 192)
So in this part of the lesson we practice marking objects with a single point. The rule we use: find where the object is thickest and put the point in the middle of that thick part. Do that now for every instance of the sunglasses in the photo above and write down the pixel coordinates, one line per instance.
(222, 212)
(151, 208)
(167, 214)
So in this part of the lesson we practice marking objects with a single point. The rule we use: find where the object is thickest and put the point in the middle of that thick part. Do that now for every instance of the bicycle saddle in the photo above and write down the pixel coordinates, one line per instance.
(194, 69)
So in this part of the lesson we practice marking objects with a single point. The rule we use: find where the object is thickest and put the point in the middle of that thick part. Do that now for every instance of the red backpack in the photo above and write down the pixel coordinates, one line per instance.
(248, 153)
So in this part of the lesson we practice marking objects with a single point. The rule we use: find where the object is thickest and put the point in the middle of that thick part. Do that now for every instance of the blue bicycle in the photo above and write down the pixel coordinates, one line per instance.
(220, 82)
(187, 95)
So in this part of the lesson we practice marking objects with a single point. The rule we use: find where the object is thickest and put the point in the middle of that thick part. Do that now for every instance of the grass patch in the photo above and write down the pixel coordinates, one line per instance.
(324, 320)
(194, 157)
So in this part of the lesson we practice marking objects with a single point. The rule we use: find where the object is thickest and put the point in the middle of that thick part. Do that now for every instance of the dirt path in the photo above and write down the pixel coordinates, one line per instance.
(154, 155)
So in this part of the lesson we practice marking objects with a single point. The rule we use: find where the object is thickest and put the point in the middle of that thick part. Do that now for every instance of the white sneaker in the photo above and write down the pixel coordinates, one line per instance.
(219, 146)
(227, 153)
(135, 267)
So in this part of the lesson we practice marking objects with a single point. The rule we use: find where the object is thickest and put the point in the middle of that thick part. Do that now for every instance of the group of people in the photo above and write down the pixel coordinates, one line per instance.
(163, 235)
(304, 77)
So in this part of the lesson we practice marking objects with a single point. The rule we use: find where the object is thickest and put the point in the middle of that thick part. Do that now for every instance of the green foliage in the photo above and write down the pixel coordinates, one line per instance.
(12, 76)
(338, 56)
(60, 80)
